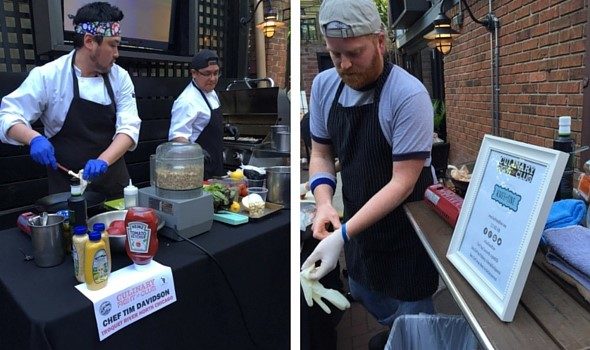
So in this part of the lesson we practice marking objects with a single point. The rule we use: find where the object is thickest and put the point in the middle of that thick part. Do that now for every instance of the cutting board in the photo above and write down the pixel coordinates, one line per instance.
(230, 218)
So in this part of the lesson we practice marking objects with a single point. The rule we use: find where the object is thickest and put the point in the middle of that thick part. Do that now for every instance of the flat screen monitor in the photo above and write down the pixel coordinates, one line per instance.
(147, 24)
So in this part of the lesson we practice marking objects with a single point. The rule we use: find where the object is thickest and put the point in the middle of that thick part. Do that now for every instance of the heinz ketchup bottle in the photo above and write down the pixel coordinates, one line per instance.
(142, 239)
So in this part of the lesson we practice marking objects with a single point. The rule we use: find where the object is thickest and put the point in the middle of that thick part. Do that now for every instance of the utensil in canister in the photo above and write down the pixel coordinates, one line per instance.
(47, 239)
(278, 182)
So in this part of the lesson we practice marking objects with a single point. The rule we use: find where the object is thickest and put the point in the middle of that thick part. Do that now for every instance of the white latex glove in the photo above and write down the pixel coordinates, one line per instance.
(314, 291)
(328, 252)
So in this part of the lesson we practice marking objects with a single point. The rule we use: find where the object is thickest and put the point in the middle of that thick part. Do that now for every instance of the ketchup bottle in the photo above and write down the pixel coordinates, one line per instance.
(142, 239)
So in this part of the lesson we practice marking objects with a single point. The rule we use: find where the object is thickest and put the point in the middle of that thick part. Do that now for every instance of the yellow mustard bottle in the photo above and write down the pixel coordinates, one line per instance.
(96, 263)
(100, 227)
(79, 240)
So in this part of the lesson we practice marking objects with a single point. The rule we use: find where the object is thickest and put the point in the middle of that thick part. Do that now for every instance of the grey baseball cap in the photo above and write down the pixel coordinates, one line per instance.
(349, 18)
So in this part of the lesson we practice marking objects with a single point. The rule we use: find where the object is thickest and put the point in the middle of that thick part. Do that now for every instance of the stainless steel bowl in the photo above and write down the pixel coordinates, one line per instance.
(117, 242)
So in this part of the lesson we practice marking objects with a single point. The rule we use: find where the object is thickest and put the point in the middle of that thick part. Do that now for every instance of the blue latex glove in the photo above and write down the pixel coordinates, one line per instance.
(94, 168)
(42, 151)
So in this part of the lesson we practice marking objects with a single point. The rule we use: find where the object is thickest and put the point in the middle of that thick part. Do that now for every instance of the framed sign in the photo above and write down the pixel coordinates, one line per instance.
(503, 215)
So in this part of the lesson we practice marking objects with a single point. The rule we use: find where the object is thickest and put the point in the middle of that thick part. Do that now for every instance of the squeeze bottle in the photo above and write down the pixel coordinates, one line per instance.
(77, 204)
(96, 263)
(78, 245)
(100, 227)
(130, 195)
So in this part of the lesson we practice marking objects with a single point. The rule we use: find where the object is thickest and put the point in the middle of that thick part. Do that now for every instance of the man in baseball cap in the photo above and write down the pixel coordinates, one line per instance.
(378, 120)
(196, 113)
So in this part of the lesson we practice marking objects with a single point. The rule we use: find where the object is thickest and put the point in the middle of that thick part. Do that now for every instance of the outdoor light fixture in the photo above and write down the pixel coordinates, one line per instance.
(271, 22)
(441, 37)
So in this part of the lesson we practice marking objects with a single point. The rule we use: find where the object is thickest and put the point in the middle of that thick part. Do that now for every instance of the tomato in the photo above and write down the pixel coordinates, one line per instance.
(117, 227)
(243, 190)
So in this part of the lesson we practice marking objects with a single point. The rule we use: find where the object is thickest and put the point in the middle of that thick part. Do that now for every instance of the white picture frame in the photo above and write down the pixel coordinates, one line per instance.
(512, 187)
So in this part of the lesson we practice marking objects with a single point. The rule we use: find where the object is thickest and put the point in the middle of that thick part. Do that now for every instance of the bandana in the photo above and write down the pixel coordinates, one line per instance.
(98, 28)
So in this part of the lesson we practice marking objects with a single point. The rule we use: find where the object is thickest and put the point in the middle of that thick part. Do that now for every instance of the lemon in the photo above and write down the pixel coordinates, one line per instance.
(235, 207)
(236, 175)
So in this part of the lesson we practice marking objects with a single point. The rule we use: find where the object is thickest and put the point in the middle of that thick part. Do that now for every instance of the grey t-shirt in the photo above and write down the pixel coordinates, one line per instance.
(405, 111)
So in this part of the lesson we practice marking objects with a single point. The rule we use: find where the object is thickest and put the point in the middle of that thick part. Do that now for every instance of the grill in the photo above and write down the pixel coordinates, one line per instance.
(253, 111)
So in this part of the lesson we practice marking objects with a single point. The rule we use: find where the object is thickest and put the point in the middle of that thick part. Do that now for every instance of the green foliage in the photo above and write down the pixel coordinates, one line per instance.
(382, 8)
(439, 113)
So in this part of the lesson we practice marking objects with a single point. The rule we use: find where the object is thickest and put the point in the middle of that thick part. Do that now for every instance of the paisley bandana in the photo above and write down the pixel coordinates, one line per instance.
(99, 28)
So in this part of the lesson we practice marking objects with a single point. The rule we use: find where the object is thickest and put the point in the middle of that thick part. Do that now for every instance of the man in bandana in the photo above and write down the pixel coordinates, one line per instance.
(86, 104)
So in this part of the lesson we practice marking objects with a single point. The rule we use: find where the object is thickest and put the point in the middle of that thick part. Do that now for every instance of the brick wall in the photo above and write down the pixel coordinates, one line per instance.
(309, 63)
(541, 74)
(276, 57)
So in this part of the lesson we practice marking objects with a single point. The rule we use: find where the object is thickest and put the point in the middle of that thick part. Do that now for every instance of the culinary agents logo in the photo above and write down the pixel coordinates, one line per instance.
(105, 308)
(516, 168)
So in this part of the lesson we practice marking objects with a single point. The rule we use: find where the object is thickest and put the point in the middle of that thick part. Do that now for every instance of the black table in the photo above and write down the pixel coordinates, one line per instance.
(41, 309)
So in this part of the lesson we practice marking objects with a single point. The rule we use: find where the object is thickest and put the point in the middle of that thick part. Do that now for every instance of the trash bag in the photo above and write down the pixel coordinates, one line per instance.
(424, 331)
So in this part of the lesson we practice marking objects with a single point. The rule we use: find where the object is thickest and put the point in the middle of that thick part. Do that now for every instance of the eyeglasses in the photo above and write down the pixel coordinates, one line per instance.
(210, 74)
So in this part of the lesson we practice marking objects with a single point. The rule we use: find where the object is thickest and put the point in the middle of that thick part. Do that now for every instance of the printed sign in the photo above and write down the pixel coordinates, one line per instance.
(131, 294)
(500, 224)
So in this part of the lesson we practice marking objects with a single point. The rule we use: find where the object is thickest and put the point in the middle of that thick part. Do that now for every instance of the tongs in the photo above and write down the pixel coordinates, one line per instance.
(83, 183)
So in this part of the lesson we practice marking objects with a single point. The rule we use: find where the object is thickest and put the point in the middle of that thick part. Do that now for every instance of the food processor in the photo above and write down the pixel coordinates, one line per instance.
(176, 191)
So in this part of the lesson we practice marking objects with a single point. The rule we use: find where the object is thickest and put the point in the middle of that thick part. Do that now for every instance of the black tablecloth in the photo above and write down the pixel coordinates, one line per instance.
(41, 309)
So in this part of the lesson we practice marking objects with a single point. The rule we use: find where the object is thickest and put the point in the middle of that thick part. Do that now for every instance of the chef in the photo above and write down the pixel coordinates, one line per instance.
(196, 113)
(86, 104)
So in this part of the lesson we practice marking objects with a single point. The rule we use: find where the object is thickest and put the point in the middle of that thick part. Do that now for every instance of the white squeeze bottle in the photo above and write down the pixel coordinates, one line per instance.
(130, 195)
(78, 247)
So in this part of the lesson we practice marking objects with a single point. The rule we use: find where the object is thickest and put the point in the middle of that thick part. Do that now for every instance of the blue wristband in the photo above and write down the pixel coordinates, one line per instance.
(322, 181)
(344, 234)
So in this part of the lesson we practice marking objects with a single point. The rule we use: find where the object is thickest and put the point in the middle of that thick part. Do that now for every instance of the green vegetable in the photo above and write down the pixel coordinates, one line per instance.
(222, 196)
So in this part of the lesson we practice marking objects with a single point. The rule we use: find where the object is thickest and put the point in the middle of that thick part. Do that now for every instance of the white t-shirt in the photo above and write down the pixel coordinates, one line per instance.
(47, 93)
(190, 113)
(405, 111)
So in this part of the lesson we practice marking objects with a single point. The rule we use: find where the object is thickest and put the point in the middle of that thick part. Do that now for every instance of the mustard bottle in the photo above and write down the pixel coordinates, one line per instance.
(79, 240)
(96, 263)
(100, 227)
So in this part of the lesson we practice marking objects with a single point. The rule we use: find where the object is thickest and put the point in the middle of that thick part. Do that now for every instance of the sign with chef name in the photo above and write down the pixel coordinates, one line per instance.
(507, 194)
(131, 294)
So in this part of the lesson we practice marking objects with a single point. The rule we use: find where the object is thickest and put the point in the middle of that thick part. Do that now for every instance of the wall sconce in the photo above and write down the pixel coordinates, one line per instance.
(441, 37)
(270, 23)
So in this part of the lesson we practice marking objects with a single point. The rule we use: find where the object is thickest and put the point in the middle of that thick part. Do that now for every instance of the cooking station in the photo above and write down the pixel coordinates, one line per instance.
(254, 111)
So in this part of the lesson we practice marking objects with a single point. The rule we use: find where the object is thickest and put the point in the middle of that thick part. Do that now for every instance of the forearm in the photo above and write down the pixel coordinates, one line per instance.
(388, 198)
(321, 162)
(121, 143)
(22, 133)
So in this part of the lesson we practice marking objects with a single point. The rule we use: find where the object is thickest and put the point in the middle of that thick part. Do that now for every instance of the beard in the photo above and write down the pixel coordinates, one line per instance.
(98, 67)
(357, 78)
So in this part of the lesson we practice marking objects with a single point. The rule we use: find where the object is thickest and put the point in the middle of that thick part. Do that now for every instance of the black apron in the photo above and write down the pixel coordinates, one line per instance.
(87, 131)
(387, 257)
(211, 140)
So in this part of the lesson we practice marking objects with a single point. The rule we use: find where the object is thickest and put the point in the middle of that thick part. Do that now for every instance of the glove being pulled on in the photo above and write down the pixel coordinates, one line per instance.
(94, 168)
(42, 151)
(328, 252)
(314, 291)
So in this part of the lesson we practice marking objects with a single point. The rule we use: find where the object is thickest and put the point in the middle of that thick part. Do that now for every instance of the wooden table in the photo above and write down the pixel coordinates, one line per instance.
(549, 315)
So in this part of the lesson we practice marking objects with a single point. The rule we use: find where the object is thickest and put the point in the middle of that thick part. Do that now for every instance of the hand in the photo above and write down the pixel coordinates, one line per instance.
(328, 252)
(232, 131)
(325, 216)
(94, 168)
(42, 151)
